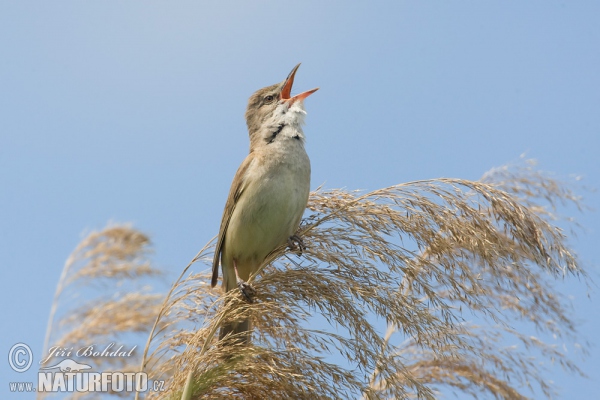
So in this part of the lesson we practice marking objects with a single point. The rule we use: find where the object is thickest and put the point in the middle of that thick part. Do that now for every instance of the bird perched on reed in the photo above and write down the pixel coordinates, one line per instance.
(269, 192)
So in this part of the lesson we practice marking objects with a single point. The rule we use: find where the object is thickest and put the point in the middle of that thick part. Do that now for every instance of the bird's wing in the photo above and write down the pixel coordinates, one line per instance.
(237, 188)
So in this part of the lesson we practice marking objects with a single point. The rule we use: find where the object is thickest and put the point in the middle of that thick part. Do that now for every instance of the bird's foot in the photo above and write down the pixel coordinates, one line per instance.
(295, 243)
(247, 290)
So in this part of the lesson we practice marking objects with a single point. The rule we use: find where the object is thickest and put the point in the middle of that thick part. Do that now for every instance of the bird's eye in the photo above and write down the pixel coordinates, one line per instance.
(269, 99)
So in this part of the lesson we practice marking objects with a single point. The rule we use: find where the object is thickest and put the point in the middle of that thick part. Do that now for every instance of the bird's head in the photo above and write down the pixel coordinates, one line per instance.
(269, 106)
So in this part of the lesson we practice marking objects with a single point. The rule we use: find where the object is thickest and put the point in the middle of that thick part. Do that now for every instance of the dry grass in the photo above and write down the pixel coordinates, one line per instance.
(424, 257)
(101, 299)
(449, 266)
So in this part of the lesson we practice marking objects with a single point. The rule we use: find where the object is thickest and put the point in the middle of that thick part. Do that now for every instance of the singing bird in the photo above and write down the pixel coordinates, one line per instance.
(269, 192)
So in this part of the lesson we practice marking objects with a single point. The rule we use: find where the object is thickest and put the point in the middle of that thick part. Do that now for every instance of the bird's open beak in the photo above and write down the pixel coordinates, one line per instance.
(287, 89)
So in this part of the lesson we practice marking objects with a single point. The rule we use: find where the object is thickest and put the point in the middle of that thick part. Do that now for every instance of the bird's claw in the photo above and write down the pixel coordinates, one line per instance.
(247, 290)
(295, 243)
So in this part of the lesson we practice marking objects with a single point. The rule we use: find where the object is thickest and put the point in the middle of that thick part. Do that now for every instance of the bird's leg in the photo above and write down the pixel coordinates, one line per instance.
(295, 243)
(247, 290)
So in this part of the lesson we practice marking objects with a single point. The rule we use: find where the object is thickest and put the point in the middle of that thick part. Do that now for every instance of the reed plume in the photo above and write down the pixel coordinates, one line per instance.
(403, 292)
(449, 266)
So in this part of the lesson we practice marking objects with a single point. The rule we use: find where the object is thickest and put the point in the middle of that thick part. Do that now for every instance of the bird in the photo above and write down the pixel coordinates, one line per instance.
(268, 195)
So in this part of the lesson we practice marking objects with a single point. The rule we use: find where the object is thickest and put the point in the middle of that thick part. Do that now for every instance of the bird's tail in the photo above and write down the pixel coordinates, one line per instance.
(236, 332)
(239, 331)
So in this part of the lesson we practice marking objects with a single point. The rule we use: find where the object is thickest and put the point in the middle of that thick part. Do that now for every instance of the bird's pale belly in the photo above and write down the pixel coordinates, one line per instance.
(264, 220)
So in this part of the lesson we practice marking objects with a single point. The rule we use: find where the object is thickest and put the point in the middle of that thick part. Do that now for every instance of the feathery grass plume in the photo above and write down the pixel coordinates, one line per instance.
(449, 265)
(101, 296)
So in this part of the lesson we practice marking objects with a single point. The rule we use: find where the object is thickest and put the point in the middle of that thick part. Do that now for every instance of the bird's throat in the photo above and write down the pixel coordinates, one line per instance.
(271, 139)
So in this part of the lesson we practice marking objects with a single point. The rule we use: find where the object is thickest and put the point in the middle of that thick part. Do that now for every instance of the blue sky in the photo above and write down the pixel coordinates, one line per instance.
(133, 112)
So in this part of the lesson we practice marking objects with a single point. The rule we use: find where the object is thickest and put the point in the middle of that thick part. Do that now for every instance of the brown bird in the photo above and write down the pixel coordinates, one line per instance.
(269, 192)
